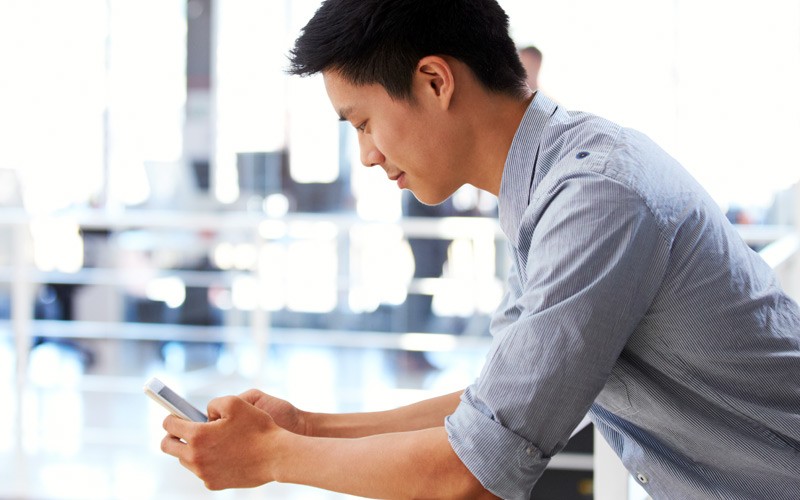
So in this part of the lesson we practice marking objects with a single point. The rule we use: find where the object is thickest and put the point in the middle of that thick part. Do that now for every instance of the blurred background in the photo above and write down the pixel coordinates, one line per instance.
(173, 205)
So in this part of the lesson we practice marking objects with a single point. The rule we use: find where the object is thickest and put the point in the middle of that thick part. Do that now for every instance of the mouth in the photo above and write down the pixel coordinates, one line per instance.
(399, 178)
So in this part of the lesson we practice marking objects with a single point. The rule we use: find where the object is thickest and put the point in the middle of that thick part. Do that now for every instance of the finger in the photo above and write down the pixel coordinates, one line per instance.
(259, 399)
(224, 407)
(173, 446)
(179, 427)
(252, 396)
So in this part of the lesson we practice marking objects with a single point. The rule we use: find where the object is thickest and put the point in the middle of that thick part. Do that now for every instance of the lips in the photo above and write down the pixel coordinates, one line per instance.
(399, 177)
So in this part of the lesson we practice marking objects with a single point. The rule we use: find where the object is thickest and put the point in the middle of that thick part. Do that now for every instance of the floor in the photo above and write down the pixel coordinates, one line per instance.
(82, 429)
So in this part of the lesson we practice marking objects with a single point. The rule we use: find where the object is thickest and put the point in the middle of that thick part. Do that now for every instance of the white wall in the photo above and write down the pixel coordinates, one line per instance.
(713, 81)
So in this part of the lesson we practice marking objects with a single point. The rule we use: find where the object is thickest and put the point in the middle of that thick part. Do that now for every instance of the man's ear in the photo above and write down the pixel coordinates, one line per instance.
(434, 76)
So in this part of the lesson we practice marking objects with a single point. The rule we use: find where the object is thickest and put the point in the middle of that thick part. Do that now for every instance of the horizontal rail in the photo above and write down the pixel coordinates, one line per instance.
(780, 251)
(430, 342)
(428, 227)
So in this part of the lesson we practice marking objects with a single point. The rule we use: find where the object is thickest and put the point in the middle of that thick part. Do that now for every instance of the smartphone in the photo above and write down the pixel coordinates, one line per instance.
(166, 397)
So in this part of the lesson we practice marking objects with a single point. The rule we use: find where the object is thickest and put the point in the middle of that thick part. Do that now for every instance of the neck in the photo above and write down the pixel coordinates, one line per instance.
(493, 121)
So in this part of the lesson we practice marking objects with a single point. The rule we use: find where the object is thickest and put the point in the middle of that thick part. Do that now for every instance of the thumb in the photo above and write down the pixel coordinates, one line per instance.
(224, 407)
(253, 396)
(231, 408)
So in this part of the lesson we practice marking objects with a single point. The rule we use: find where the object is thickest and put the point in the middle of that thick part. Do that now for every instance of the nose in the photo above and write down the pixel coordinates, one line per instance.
(370, 154)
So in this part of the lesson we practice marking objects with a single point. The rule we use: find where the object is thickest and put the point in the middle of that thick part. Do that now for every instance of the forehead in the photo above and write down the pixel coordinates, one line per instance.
(345, 96)
(349, 99)
(340, 93)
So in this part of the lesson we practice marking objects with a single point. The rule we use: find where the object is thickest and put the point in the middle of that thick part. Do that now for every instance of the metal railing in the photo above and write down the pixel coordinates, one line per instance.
(781, 250)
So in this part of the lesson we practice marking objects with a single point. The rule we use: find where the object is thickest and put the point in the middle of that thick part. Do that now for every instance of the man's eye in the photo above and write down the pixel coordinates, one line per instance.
(361, 127)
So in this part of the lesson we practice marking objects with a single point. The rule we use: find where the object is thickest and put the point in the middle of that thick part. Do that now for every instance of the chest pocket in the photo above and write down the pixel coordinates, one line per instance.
(615, 398)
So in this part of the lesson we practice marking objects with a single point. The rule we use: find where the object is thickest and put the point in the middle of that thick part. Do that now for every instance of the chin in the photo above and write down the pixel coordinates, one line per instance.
(430, 198)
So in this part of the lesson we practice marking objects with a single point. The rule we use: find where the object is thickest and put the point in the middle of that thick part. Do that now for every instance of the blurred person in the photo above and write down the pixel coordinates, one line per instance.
(630, 298)
(531, 59)
(430, 255)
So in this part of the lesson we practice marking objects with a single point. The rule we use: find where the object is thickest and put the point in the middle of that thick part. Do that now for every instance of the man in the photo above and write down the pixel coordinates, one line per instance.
(531, 58)
(630, 297)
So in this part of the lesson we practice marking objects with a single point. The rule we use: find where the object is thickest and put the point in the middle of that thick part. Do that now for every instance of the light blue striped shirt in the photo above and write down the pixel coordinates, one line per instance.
(631, 298)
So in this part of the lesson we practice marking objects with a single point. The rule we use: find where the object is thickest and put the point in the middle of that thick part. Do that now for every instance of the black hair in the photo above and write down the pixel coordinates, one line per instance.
(381, 41)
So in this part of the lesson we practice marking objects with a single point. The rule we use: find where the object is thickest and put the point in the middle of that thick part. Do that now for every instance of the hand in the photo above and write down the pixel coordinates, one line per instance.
(284, 413)
(234, 449)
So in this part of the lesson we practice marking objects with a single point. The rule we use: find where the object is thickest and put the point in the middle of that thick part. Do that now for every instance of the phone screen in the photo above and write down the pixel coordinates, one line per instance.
(171, 400)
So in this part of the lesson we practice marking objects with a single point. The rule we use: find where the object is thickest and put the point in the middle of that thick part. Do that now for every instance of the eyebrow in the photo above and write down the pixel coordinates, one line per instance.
(344, 112)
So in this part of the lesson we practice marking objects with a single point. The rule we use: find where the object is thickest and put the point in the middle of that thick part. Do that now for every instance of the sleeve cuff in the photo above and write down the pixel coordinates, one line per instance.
(505, 463)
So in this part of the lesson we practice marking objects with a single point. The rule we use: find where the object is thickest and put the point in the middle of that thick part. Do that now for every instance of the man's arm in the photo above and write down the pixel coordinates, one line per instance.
(594, 263)
(243, 447)
(422, 415)
(413, 464)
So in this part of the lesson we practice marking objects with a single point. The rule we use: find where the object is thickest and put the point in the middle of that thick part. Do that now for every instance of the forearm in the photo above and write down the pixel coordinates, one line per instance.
(417, 416)
(411, 464)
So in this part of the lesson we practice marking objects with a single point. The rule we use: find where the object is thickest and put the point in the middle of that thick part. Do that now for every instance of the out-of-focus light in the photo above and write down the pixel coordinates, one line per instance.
(427, 342)
(276, 205)
(313, 230)
(377, 199)
(224, 256)
(52, 366)
(272, 229)
(273, 273)
(226, 187)
(245, 256)
(221, 299)
(170, 290)
(174, 356)
(58, 246)
(244, 293)
(313, 133)
(313, 267)
(381, 267)
(361, 300)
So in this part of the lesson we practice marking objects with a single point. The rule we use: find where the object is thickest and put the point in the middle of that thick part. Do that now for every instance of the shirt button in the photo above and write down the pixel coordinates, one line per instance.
(582, 155)
(642, 478)
(529, 451)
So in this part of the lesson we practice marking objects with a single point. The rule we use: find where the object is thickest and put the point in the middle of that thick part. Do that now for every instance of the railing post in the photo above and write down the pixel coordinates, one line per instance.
(793, 272)
(260, 317)
(610, 476)
(21, 313)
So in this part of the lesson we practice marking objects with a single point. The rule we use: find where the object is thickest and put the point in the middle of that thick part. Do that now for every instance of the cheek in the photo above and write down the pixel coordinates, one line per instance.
(403, 133)
(407, 141)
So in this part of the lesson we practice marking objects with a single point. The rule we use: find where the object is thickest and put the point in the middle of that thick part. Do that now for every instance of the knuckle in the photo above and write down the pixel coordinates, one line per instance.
(198, 438)
(222, 403)
(195, 459)
(226, 403)
(233, 402)
(250, 392)
(214, 485)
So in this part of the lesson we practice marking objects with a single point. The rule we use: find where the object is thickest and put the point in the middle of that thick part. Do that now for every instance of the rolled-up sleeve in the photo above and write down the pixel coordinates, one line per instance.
(475, 435)
(595, 260)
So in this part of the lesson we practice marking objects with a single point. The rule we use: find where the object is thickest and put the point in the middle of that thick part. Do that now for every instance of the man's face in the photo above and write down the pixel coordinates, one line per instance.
(409, 140)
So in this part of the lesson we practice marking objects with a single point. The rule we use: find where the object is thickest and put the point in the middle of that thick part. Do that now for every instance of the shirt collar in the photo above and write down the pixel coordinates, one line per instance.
(521, 162)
